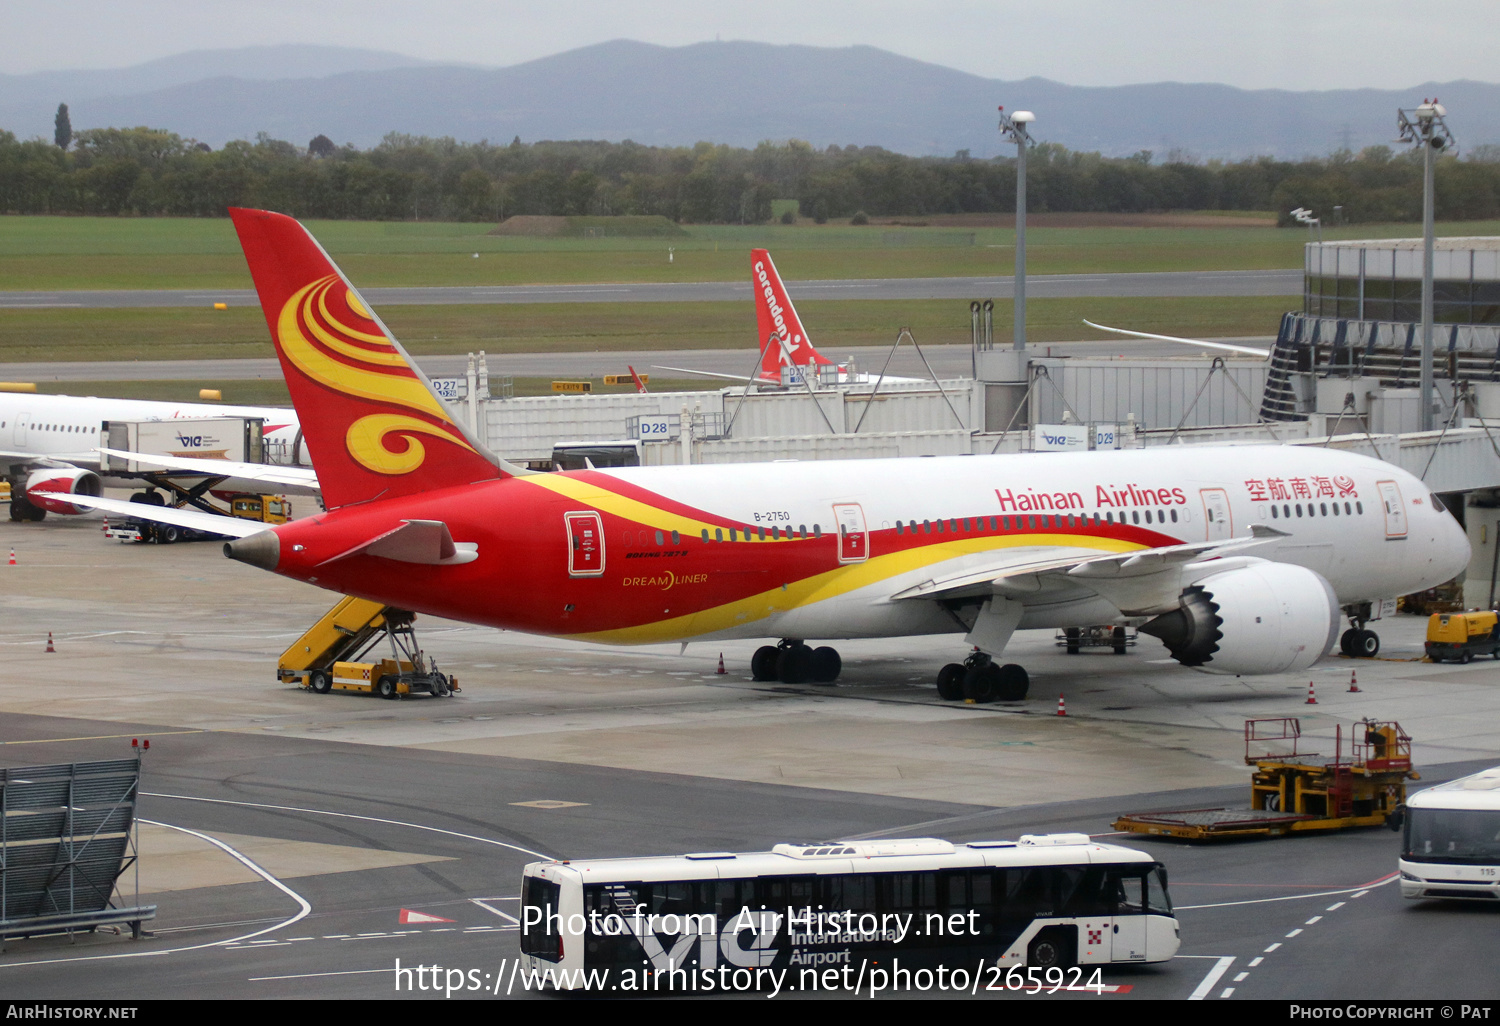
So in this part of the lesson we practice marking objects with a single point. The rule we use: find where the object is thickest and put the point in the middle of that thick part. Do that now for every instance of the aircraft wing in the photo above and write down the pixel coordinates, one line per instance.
(302, 477)
(197, 520)
(1252, 350)
(711, 374)
(1138, 580)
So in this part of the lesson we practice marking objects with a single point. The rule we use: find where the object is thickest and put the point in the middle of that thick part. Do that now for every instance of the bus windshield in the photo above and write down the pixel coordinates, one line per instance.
(1452, 835)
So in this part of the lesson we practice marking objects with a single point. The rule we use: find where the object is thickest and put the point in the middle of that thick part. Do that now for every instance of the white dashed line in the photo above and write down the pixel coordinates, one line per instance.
(1314, 919)
(1295, 932)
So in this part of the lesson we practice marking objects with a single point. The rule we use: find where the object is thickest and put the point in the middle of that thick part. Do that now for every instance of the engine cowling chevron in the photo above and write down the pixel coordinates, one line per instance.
(1262, 618)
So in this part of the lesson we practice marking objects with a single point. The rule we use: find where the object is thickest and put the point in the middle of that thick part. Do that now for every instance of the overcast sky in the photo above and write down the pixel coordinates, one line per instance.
(1292, 44)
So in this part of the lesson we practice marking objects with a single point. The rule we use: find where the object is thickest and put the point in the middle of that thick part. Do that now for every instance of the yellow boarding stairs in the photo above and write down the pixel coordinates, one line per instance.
(328, 657)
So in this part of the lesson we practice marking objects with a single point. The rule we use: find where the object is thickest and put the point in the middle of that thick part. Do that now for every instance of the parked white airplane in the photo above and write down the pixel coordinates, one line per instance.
(49, 445)
(1240, 559)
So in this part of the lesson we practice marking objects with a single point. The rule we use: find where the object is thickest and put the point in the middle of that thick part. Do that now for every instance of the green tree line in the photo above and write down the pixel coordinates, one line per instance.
(146, 172)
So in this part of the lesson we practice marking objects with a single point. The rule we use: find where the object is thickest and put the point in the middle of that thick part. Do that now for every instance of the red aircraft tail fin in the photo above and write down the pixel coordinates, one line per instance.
(373, 425)
(775, 316)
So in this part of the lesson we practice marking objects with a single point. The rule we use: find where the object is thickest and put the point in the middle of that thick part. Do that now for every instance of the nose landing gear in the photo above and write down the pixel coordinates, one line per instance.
(1358, 642)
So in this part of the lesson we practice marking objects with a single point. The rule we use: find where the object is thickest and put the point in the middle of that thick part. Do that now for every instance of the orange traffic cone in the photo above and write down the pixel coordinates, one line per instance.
(721, 664)
(12, 557)
(1353, 682)
(1312, 698)
(49, 642)
(105, 528)
(1062, 706)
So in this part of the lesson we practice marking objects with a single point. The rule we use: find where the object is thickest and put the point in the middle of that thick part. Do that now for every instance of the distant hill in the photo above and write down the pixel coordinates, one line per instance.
(734, 92)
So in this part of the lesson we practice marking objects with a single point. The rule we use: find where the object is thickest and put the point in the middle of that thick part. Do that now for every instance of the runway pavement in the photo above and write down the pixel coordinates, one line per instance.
(1038, 286)
(355, 809)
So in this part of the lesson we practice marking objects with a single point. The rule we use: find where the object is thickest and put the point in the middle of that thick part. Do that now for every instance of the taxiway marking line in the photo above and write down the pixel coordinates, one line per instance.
(349, 815)
(304, 910)
(1207, 984)
(1361, 890)
(105, 737)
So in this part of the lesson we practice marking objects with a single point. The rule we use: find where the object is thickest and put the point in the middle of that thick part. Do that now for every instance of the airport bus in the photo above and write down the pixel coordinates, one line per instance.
(1054, 904)
(1451, 840)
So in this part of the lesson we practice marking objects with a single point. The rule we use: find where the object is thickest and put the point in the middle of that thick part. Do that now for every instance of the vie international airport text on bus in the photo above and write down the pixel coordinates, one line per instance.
(1451, 840)
(1055, 904)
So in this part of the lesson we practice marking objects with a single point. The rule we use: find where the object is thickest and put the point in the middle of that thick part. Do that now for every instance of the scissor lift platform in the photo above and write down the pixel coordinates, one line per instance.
(1299, 792)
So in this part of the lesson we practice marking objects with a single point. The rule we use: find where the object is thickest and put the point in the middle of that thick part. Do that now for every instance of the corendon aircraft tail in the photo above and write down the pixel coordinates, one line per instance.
(1239, 559)
(783, 340)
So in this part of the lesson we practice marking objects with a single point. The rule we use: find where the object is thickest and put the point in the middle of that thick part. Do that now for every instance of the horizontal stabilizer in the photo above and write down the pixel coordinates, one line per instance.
(193, 519)
(1252, 350)
(707, 374)
(298, 477)
(415, 541)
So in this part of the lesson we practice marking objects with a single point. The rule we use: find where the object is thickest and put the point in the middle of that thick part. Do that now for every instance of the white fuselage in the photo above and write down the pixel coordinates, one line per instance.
(1391, 541)
(48, 430)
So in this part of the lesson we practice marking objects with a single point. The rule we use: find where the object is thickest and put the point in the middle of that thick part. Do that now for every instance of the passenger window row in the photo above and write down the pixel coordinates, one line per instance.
(1321, 509)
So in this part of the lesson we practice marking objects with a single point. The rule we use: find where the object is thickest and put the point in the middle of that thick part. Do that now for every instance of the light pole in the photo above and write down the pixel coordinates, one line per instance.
(1425, 127)
(1014, 127)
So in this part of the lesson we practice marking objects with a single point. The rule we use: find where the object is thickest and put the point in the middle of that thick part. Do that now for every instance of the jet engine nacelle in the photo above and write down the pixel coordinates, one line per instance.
(1262, 618)
(72, 480)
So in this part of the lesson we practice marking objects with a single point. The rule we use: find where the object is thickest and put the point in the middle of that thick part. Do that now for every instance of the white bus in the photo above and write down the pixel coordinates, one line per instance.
(1451, 840)
(1054, 903)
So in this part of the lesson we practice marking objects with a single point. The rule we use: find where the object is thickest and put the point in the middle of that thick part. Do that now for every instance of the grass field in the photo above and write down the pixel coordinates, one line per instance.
(44, 253)
(168, 333)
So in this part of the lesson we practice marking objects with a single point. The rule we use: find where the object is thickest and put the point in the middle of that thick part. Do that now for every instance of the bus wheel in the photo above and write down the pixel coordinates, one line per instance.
(1050, 949)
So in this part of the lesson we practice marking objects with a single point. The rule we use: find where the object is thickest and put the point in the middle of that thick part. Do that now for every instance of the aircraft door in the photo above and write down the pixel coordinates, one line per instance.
(22, 421)
(1218, 521)
(854, 541)
(585, 544)
(1395, 510)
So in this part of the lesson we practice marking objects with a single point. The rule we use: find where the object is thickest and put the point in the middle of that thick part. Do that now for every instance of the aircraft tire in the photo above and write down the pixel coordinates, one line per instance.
(763, 663)
(826, 665)
(319, 682)
(950, 683)
(1347, 642)
(1118, 636)
(1071, 634)
(982, 682)
(1012, 683)
(1368, 645)
(794, 664)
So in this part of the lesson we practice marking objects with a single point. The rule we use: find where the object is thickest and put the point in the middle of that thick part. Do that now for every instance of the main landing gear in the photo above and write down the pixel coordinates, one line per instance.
(979, 679)
(792, 662)
(1358, 642)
